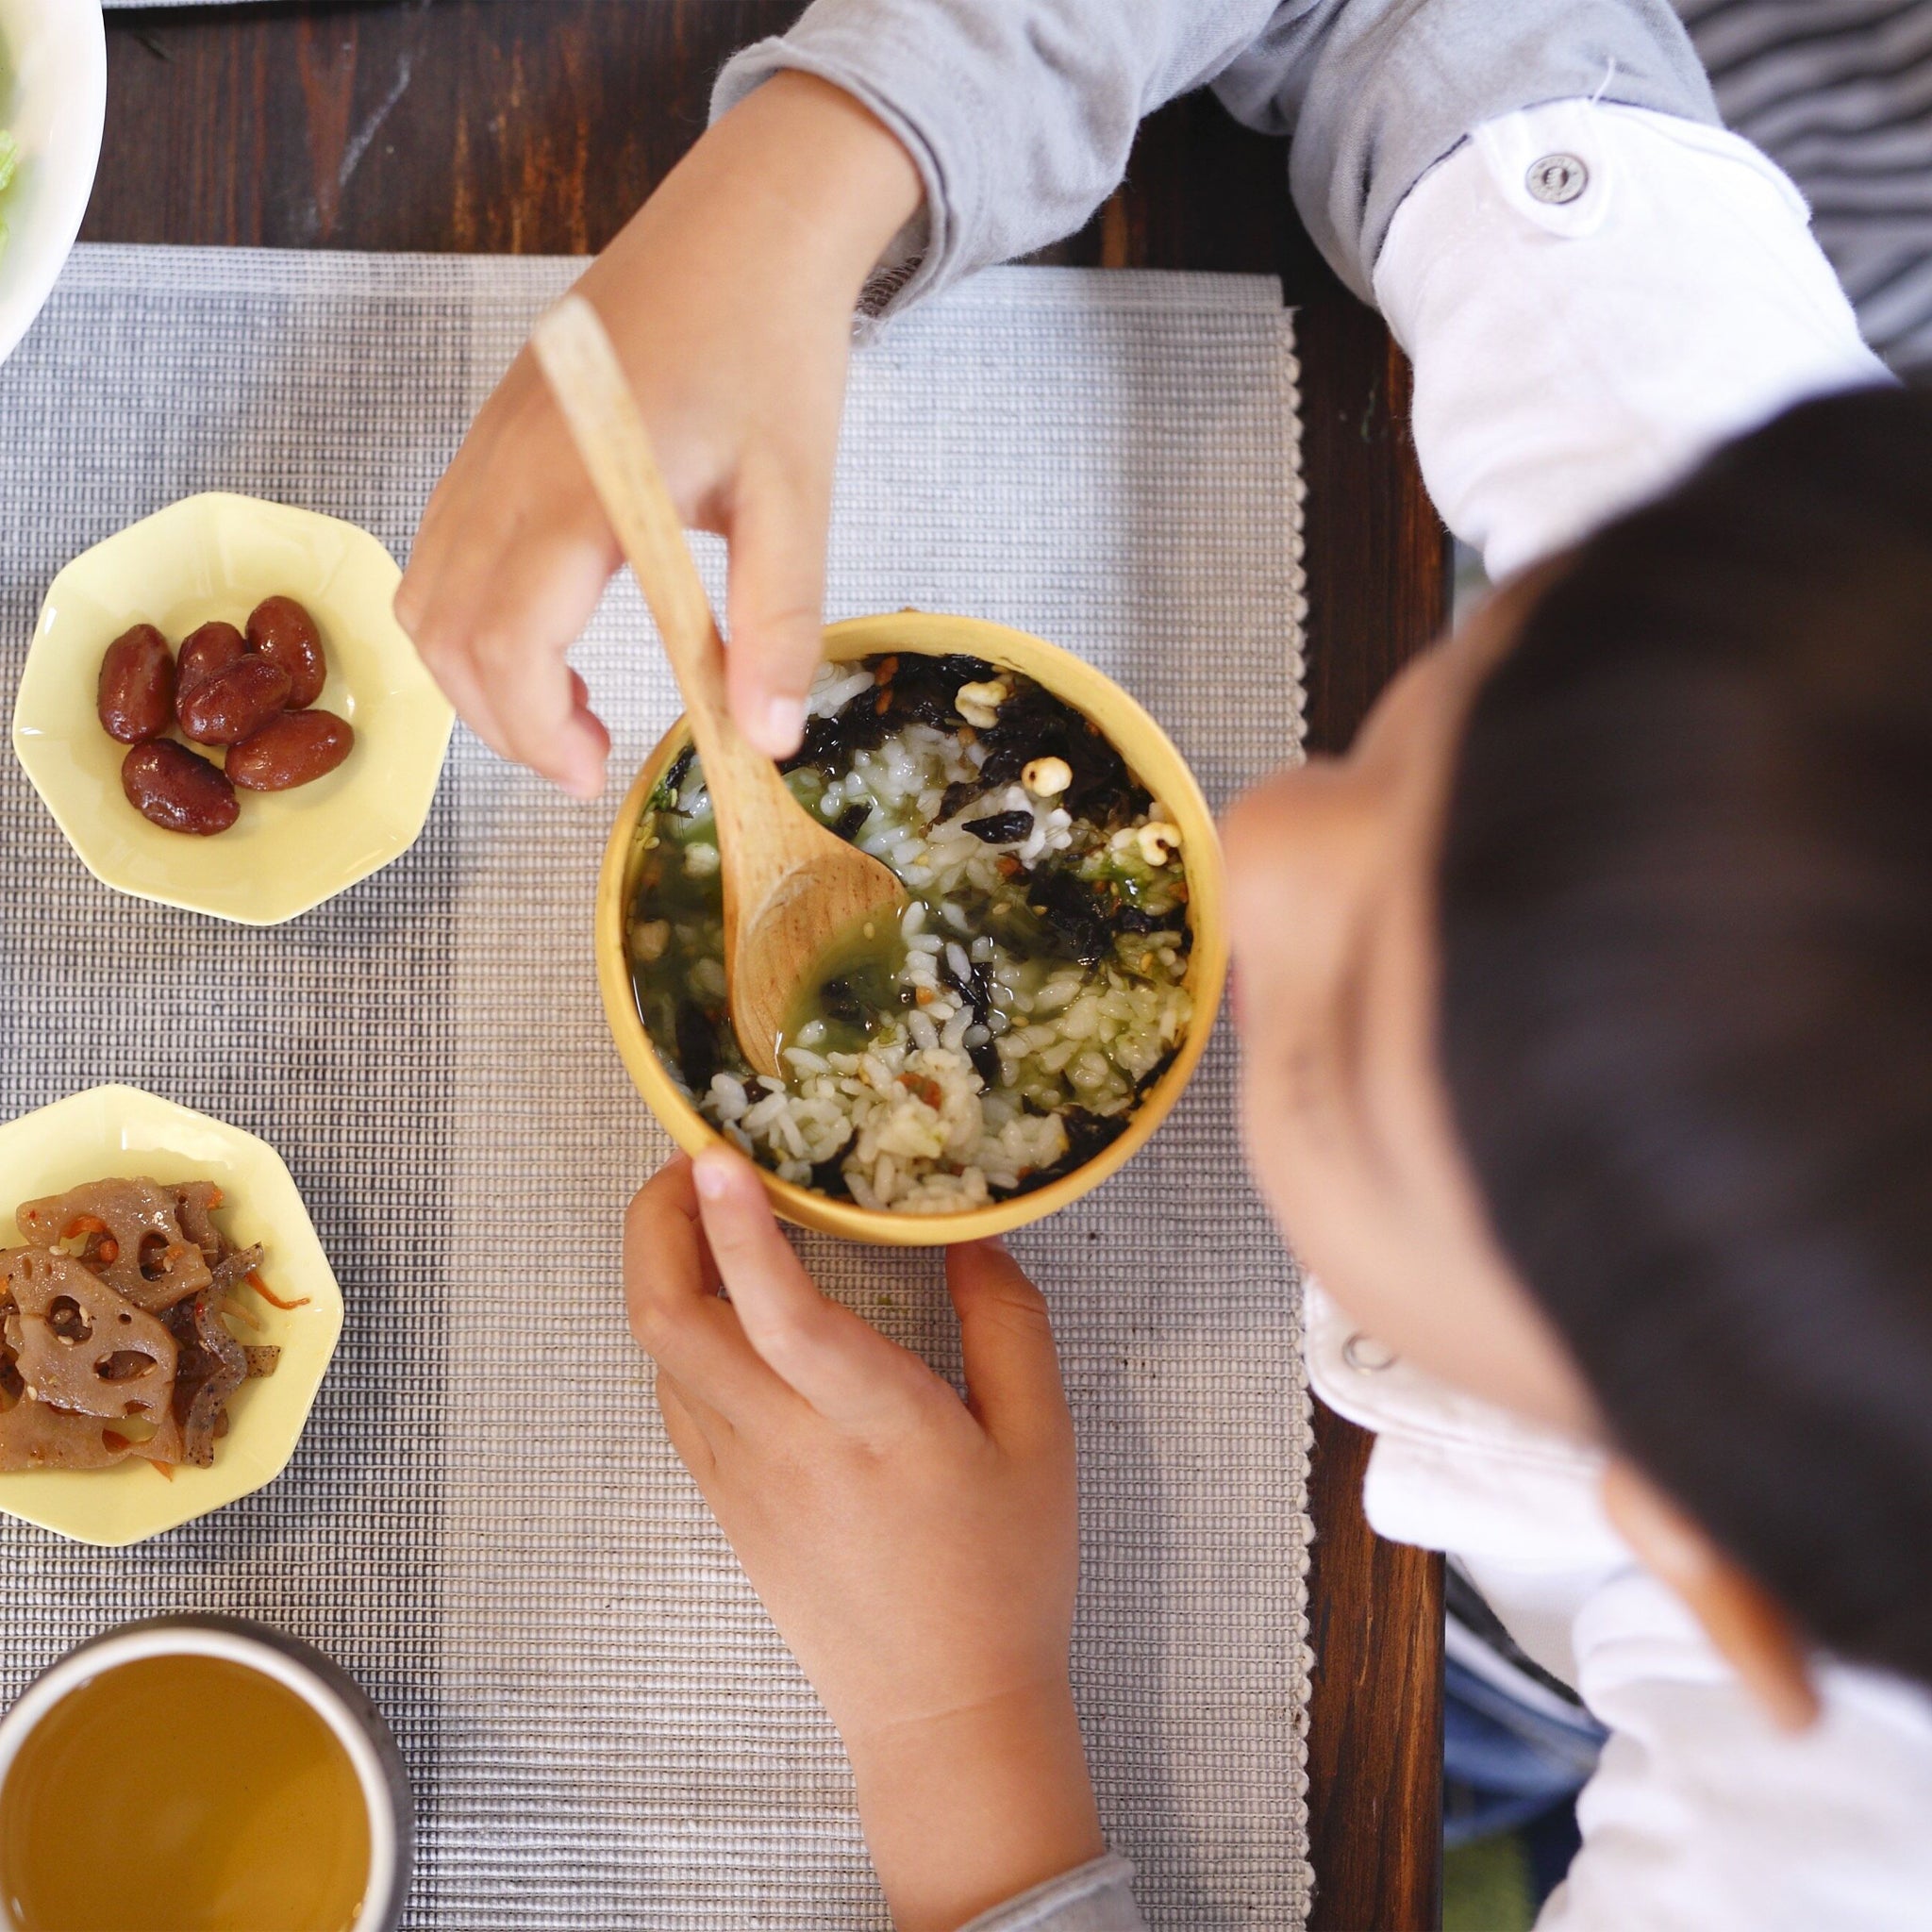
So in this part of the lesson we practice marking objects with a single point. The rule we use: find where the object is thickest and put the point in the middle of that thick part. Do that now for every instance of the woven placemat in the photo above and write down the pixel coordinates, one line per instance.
(602, 1727)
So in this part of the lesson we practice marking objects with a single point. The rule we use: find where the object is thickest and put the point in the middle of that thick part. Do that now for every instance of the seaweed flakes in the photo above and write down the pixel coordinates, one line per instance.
(1087, 1135)
(828, 1178)
(958, 795)
(698, 1057)
(923, 689)
(1155, 1073)
(1002, 827)
(841, 1002)
(851, 822)
(664, 794)
(1073, 920)
(913, 690)
(986, 1062)
(1034, 723)
(975, 986)
(830, 743)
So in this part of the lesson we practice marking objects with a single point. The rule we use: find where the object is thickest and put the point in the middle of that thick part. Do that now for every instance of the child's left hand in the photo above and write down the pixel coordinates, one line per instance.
(918, 1553)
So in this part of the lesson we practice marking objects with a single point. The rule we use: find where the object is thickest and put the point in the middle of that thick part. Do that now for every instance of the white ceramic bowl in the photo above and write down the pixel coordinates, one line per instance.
(53, 101)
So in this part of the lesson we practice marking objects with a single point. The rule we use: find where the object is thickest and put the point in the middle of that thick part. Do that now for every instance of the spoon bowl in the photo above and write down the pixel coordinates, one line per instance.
(794, 889)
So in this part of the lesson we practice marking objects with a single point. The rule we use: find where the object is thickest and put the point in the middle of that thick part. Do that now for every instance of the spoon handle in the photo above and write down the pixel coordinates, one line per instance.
(581, 366)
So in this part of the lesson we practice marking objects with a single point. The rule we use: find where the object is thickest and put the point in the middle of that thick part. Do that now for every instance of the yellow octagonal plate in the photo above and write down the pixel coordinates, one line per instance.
(121, 1133)
(217, 557)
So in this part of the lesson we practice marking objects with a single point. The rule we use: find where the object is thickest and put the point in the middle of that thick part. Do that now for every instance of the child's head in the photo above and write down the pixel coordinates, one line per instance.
(1589, 1008)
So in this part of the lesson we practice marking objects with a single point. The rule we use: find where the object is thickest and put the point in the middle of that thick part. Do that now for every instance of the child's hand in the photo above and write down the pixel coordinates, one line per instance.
(918, 1553)
(729, 297)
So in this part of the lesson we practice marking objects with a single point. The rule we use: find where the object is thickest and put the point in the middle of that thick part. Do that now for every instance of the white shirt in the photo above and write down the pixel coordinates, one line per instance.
(1701, 1817)
(1575, 357)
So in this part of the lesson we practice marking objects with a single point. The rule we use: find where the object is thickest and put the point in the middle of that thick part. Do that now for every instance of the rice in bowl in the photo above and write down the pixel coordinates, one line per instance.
(1034, 991)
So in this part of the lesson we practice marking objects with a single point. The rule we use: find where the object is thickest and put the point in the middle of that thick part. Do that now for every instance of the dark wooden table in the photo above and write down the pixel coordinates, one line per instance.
(538, 127)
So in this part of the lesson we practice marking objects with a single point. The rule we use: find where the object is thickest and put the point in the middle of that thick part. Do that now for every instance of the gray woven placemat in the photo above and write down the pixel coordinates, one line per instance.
(603, 1729)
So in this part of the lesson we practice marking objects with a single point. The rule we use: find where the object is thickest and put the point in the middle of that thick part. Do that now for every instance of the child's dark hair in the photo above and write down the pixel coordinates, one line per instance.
(1686, 998)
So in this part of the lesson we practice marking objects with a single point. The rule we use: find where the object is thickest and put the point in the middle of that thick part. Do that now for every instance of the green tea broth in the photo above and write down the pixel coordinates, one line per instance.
(183, 1794)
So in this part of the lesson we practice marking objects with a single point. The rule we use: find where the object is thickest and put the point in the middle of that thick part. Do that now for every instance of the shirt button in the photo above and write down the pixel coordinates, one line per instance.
(1367, 1356)
(1556, 179)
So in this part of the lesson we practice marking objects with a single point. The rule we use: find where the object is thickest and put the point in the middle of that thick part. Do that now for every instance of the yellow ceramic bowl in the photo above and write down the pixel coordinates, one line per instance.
(123, 1132)
(1151, 755)
(217, 557)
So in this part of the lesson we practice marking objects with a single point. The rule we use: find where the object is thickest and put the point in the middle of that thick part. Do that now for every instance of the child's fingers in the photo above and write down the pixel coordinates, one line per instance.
(425, 616)
(542, 593)
(674, 1311)
(1006, 1336)
(776, 601)
(846, 1370)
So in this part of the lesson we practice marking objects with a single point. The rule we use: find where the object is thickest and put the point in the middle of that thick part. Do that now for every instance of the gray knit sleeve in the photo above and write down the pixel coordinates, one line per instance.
(1094, 1898)
(1376, 91)
(1019, 113)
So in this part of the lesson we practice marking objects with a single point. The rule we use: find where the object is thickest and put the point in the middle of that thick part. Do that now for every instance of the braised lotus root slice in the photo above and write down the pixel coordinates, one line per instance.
(133, 1237)
(35, 1435)
(79, 1346)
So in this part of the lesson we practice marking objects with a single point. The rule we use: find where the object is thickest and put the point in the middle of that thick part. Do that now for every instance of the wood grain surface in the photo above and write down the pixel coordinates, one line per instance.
(536, 127)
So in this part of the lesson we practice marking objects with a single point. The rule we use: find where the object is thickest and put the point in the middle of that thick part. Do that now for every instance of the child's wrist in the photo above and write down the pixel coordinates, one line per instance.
(973, 1807)
(840, 175)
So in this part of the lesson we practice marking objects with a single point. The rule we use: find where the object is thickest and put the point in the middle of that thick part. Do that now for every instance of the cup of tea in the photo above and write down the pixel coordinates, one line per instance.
(204, 1772)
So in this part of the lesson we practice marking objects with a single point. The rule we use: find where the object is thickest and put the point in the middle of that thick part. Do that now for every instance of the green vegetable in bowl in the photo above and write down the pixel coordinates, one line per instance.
(9, 157)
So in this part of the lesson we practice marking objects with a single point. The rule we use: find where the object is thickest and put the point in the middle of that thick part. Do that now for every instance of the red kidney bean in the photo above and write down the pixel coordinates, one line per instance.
(294, 749)
(233, 704)
(136, 696)
(178, 790)
(205, 652)
(285, 633)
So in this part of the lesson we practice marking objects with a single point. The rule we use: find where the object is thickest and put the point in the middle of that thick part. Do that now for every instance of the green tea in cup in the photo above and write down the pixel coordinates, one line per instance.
(180, 1790)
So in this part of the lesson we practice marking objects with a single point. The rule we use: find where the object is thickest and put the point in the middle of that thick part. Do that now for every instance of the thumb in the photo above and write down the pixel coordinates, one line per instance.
(776, 601)
(1006, 1336)
(845, 1367)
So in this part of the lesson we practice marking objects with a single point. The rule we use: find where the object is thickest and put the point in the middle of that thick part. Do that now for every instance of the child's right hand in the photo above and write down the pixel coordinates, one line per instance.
(729, 297)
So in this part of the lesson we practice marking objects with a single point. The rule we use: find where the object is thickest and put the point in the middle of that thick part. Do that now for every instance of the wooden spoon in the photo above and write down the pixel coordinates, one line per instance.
(792, 887)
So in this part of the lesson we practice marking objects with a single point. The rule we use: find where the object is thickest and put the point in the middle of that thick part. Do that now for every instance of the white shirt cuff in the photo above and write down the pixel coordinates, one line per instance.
(1594, 297)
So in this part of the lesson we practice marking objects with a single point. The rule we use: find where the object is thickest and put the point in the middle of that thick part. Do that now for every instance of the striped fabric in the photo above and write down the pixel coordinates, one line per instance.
(1839, 92)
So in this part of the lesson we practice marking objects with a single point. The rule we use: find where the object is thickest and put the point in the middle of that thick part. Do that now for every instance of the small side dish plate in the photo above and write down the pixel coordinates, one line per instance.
(213, 557)
(119, 1132)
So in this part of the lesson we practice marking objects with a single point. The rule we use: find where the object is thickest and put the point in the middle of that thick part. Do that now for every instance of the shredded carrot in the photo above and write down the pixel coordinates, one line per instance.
(214, 1197)
(108, 1252)
(158, 1468)
(84, 1224)
(274, 1301)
